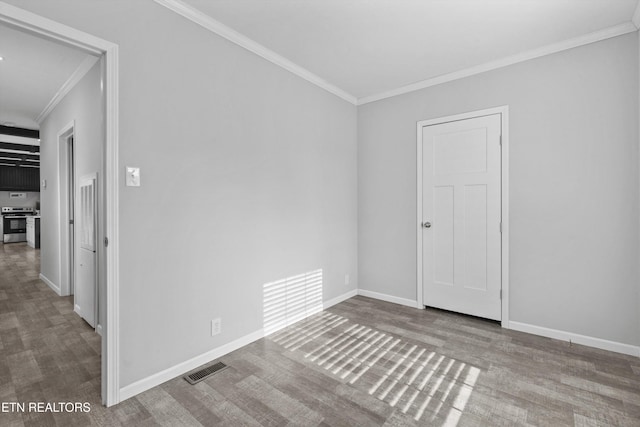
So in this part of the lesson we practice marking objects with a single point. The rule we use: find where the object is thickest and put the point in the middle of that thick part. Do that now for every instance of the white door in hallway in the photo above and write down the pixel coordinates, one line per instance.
(86, 283)
(461, 205)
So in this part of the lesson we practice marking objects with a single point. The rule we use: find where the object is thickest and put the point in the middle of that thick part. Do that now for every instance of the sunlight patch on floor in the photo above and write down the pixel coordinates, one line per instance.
(419, 382)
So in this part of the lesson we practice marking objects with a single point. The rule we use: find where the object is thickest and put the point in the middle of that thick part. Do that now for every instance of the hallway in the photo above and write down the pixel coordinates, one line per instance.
(47, 352)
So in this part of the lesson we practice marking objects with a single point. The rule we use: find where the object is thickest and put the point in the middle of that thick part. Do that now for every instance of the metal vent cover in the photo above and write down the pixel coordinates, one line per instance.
(199, 375)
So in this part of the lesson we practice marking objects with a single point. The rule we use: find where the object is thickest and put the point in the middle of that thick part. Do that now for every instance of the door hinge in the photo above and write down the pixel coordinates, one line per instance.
(106, 242)
(500, 226)
(500, 293)
(500, 140)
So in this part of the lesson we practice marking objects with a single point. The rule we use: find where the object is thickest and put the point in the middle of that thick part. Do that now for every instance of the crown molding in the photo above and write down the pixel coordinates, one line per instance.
(77, 75)
(636, 16)
(222, 30)
(597, 36)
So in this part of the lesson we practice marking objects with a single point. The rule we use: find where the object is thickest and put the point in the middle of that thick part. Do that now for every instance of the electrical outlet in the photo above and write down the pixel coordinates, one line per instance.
(347, 279)
(216, 326)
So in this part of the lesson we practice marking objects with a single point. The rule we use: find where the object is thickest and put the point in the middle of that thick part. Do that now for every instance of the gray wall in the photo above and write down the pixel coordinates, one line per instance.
(84, 104)
(275, 156)
(573, 177)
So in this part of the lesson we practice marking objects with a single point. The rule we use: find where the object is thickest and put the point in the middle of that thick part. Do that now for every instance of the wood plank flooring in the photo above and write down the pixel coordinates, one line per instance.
(361, 363)
(47, 352)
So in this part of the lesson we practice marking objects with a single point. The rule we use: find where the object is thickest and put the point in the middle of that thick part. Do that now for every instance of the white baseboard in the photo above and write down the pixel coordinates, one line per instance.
(389, 298)
(49, 283)
(531, 329)
(99, 330)
(339, 299)
(576, 338)
(182, 368)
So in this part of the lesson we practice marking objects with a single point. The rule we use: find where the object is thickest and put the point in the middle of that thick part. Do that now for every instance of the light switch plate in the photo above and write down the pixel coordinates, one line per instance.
(133, 177)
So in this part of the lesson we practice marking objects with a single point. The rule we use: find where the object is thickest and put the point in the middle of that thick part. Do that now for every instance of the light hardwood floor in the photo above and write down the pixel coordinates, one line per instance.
(361, 363)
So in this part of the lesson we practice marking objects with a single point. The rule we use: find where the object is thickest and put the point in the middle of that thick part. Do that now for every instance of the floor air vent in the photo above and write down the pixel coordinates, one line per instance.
(201, 374)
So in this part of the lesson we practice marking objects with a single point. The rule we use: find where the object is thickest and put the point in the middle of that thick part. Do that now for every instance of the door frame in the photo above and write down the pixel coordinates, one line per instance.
(504, 197)
(66, 272)
(44, 27)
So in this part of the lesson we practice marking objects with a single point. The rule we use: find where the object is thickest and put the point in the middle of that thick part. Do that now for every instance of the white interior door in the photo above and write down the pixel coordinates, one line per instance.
(461, 173)
(86, 283)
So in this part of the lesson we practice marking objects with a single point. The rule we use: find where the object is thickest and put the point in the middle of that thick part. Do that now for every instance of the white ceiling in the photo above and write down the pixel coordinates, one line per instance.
(32, 72)
(366, 47)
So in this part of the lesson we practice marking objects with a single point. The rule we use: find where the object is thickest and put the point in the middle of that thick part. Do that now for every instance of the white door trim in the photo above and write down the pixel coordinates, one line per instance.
(504, 111)
(41, 26)
(65, 273)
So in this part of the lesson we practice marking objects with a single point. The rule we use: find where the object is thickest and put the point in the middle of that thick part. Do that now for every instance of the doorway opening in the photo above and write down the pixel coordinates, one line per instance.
(71, 197)
(45, 28)
(66, 168)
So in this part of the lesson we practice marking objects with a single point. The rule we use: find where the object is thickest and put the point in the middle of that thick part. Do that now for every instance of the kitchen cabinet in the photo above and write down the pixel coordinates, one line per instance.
(15, 178)
(33, 231)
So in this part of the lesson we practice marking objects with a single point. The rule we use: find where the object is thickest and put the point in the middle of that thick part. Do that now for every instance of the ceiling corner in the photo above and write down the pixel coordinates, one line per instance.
(198, 17)
(84, 67)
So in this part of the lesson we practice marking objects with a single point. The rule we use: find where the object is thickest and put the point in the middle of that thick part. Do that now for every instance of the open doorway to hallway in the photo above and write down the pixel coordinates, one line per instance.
(48, 86)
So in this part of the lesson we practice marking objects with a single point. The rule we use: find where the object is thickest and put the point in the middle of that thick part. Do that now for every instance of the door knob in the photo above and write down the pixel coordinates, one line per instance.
(426, 224)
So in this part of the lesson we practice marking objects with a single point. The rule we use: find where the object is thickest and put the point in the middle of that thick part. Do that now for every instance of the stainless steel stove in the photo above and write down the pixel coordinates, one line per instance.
(14, 223)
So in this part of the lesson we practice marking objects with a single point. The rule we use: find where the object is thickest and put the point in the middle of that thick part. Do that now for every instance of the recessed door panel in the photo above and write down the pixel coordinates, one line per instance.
(475, 236)
(460, 152)
(443, 235)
